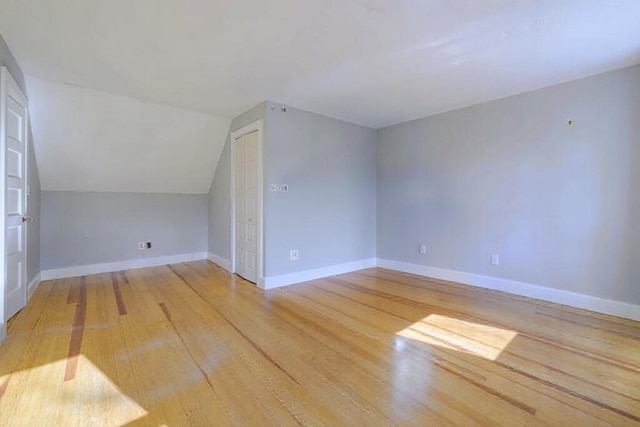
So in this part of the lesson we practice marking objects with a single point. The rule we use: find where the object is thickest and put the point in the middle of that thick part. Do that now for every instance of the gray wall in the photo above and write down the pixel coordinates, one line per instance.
(329, 212)
(220, 190)
(560, 204)
(33, 203)
(80, 228)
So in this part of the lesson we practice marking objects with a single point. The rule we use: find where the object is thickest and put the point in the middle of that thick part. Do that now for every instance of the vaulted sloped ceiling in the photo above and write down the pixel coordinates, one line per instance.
(372, 62)
(88, 140)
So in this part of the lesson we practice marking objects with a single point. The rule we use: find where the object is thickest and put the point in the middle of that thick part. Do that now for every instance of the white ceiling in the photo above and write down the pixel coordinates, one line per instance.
(153, 84)
(372, 62)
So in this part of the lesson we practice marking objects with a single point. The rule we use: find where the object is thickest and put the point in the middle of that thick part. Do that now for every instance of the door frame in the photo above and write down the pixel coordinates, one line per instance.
(9, 88)
(257, 126)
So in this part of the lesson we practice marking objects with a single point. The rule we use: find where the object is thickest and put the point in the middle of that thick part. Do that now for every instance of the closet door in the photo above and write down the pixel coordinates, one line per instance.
(246, 219)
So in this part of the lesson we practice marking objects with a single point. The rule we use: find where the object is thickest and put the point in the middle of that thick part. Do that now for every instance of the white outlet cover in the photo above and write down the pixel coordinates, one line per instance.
(273, 187)
(284, 187)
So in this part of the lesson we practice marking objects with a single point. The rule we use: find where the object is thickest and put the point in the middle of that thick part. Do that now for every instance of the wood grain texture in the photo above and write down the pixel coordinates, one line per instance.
(190, 344)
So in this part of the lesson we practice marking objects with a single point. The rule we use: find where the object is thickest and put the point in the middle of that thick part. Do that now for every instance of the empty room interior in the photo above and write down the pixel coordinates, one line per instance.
(340, 213)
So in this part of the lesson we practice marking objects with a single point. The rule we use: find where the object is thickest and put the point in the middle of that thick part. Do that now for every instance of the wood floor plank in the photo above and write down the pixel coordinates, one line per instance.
(191, 344)
(39, 363)
(579, 371)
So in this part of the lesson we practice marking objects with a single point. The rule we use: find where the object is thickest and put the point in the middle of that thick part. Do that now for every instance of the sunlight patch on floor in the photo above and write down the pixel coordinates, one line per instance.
(89, 399)
(473, 338)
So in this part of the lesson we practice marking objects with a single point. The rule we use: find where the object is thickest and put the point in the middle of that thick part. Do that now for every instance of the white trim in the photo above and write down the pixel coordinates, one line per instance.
(572, 299)
(33, 286)
(224, 263)
(317, 273)
(4, 72)
(25, 195)
(82, 270)
(257, 126)
(3, 332)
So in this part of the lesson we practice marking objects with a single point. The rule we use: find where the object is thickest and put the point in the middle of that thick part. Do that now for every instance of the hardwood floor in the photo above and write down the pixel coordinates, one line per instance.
(189, 344)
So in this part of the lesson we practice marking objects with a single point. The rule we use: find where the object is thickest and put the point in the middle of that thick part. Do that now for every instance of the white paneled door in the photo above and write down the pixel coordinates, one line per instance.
(14, 141)
(246, 213)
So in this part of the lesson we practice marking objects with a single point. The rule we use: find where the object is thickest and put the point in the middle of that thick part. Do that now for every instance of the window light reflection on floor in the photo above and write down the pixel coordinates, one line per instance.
(459, 335)
(91, 405)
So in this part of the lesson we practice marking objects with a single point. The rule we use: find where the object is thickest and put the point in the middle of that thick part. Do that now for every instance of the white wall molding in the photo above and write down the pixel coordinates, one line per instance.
(224, 263)
(3, 332)
(317, 273)
(572, 299)
(33, 286)
(82, 270)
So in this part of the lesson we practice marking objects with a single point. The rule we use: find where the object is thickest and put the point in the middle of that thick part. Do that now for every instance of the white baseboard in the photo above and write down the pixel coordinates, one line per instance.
(31, 288)
(318, 273)
(3, 332)
(599, 305)
(587, 302)
(83, 270)
(224, 263)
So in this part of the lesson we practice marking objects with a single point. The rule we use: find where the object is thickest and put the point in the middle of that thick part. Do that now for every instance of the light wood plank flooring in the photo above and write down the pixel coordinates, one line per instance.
(190, 344)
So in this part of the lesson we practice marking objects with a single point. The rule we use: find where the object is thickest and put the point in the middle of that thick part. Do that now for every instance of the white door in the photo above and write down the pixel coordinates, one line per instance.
(246, 167)
(14, 140)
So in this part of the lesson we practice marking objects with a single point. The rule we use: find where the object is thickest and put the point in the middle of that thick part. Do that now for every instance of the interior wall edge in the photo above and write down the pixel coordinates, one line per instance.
(33, 285)
(222, 262)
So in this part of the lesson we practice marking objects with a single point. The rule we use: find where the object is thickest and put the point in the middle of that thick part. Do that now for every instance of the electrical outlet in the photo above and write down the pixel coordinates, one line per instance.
(284, 188)
(495, 259)
(273, 187)
(423, 249)
(148, 245)
(293, 255)
(141, 246)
